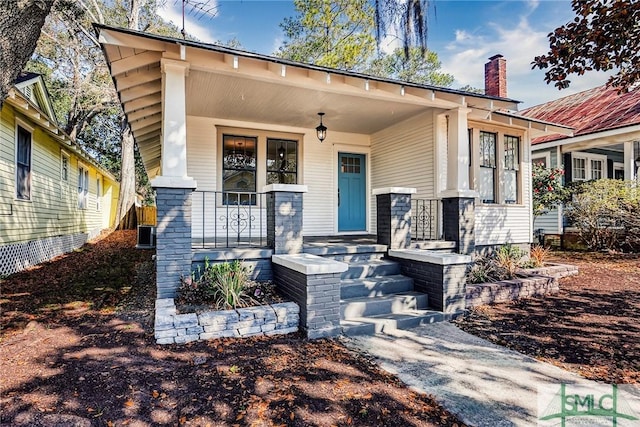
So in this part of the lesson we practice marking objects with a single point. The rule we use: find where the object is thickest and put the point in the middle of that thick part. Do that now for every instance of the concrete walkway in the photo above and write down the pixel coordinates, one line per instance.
(482, 383)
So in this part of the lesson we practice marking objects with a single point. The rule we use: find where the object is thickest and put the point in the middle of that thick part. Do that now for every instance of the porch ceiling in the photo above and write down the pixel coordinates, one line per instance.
(243, 99)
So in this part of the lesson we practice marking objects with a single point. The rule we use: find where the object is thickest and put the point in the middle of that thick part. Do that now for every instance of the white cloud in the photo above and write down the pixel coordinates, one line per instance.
(390, 43)
(519, 44)
(194, 24)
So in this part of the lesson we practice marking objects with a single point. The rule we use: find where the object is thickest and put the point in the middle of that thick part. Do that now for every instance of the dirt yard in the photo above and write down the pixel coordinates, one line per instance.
(77, 348)
(592, 326)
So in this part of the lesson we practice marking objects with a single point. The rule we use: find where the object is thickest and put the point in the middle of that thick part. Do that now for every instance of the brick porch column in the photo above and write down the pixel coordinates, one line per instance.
(393, 216)
(458, 223)
(284, 217)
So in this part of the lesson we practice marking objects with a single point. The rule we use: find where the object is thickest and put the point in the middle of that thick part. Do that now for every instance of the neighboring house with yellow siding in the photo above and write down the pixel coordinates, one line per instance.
(53, 195)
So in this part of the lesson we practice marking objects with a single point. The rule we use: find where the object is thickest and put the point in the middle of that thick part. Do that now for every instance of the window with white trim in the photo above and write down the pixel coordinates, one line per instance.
(98, 193)
(64, 166)
(487, 178)
(585, 167)
(83, 186)
(23, 163)
(239, 159)
(511, 168)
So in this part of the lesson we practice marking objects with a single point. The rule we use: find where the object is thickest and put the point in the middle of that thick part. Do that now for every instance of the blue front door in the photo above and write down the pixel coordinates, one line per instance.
(352, 192)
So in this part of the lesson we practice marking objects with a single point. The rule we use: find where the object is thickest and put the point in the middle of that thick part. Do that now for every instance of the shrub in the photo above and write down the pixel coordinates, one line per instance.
(219, 284)
(547, 188)
(538, 256)
(606, 213)
(501, 265)
(508, 259)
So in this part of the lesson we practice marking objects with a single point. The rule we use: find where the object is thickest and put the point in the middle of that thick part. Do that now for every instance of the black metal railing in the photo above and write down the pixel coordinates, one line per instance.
(228, 219)
(426, 219)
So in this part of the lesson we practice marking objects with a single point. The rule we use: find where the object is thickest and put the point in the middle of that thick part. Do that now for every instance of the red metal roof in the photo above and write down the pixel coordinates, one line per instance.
(593, 110)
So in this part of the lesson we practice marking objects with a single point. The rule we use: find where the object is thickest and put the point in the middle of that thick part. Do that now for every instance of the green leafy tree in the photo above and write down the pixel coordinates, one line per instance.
(471, 89)
(419, 67)
(20, 23)
(70, 57)
(330, 33)
(605, 35)
(548, 190)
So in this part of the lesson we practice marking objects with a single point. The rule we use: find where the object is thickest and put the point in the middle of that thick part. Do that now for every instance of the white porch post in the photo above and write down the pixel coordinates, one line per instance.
(458, 201)
(629, 161)
(458, 156)
(173, 173)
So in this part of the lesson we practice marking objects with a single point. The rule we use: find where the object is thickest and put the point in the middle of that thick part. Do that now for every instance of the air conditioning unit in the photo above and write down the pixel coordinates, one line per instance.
(146, 237)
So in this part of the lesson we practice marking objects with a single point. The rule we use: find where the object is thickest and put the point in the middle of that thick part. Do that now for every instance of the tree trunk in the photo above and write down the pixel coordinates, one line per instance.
(20, 24)
(127, 195)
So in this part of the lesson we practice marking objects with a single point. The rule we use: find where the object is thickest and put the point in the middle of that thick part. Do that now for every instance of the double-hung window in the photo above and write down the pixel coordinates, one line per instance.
(487, 178)
(511, 167)
(98, 193)
(23, 163)
(282, 161)
(239, 159)
(588, 166)
(83, 186)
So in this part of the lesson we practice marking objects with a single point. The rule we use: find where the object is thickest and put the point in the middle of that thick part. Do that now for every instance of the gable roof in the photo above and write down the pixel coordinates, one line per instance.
(595, 110)
(33, 87)
(34, 109)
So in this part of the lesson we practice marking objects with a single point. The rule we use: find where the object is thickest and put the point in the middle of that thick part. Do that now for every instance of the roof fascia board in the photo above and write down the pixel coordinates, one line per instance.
(612, 133)
(113, 35)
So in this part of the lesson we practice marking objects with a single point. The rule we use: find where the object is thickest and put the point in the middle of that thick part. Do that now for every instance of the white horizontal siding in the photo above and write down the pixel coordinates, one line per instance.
(403, 156)
(317, 170)
(548, 222)
(500, 224)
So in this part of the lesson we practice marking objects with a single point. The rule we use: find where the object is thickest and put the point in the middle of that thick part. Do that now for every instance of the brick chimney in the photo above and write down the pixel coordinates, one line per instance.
(495, 76)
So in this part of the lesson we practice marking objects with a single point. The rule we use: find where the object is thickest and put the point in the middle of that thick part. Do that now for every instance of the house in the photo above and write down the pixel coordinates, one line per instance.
(53, 195)
(273, 162)
(605, 142)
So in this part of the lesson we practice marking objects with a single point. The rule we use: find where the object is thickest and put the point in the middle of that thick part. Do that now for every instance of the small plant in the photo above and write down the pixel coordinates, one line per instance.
(482, 271)
(538, 256)
(508, 259)
(221, 284)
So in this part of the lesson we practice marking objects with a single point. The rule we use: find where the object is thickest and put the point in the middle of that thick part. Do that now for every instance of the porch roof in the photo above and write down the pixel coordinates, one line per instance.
(237, 85)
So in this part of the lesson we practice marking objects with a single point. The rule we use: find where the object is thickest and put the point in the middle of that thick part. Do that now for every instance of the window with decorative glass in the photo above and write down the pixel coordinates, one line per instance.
(282, 161)
(239, 170)
(487, 178)
(511, 168)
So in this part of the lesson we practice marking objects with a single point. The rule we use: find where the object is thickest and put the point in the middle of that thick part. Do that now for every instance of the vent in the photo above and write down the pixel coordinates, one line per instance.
(146, 237)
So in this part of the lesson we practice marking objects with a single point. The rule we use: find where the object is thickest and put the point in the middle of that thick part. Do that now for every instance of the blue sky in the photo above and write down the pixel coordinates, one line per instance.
(463, 33)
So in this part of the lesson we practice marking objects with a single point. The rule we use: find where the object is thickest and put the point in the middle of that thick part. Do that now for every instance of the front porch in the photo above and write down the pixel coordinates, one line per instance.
(344, 284)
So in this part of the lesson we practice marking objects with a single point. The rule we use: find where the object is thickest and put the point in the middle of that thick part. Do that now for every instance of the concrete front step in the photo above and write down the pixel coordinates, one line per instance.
(362, 269)
(389, 322)
(386, 304)
(375, 286)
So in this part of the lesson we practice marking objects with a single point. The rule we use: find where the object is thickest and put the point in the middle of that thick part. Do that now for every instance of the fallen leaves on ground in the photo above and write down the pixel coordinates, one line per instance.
(78, 346)
(592, 326)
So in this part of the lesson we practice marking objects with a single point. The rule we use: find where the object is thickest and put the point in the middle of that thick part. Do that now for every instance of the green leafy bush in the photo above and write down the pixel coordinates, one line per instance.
(606, 213)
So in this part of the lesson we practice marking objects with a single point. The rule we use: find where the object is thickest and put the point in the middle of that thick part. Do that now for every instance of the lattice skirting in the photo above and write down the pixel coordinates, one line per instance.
(18, 256)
